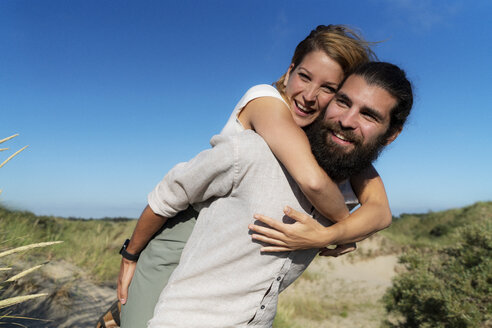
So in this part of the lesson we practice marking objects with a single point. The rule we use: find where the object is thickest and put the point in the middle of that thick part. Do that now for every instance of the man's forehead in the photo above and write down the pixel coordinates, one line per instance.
(362, 94)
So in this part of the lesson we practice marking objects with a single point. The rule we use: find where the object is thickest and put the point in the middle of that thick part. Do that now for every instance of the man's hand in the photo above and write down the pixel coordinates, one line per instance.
(127, 270)
(339, 250)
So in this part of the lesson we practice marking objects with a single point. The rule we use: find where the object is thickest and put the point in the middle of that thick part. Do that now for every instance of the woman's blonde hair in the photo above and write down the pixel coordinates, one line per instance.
(341, 43)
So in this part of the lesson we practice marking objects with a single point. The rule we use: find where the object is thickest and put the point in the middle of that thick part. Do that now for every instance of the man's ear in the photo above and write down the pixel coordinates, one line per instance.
(287, 75)
(392, 137)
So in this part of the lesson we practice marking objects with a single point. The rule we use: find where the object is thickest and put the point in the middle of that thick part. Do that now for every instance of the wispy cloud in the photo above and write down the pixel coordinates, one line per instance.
(422, 15)
(279, 32)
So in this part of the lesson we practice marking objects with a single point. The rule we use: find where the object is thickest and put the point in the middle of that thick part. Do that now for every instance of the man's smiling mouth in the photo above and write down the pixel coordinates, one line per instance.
(339, 136)
(343, 140)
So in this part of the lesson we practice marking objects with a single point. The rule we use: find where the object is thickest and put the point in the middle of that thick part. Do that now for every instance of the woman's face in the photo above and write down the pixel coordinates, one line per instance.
(311, 85)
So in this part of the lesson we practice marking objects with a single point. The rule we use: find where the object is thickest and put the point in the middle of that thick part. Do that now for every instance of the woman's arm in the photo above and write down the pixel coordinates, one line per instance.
(372, 216)
(148, 224)
(374, 213)
(271, 119)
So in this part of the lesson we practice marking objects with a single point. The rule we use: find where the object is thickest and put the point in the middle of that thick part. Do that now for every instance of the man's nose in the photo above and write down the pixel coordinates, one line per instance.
(348, 119)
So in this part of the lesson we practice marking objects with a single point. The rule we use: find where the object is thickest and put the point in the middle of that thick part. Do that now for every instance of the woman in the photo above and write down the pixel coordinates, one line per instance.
(318, 67)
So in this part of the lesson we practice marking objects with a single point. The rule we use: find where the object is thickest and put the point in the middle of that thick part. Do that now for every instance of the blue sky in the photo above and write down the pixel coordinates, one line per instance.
(109, 95)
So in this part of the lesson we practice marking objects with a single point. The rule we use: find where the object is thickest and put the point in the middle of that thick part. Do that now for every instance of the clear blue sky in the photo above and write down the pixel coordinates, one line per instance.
(109, 95)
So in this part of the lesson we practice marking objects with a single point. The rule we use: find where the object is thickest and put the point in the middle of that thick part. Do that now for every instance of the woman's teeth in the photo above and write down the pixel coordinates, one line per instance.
(304, 109)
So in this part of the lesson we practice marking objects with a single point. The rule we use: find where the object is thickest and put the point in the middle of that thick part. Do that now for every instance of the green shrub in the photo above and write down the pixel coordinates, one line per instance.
(451, 287)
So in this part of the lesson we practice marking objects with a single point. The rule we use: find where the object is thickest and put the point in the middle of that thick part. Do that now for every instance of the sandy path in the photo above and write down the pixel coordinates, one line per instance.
(345, 291)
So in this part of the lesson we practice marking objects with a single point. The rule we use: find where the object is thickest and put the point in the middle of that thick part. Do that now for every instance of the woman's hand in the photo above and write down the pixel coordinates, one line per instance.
(305, 233)
(127, 270)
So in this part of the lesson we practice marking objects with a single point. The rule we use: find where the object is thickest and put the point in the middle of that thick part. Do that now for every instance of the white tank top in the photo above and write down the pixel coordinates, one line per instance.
(234, 126)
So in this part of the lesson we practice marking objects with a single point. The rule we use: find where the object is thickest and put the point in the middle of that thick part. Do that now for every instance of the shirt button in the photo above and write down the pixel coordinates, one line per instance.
(279, 278)
(262, 307)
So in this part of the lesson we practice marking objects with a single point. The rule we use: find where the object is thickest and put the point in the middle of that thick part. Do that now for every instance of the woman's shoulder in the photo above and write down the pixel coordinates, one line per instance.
(262, 90)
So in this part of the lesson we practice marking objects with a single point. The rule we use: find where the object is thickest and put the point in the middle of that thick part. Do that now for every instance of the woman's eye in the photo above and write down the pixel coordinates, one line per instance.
(304, 76)
(329, 89)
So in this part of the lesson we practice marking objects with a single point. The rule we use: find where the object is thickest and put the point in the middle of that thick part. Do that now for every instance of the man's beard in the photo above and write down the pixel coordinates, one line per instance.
(339, 164)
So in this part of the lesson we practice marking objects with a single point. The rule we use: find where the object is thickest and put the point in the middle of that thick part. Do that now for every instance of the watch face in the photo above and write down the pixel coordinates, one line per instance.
(125, 244)
(126, 255)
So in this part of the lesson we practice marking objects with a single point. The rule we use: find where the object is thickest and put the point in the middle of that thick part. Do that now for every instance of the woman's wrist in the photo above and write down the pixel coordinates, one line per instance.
(330, 235)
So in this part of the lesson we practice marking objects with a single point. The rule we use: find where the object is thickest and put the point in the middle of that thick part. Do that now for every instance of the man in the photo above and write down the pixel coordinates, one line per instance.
(222, 279)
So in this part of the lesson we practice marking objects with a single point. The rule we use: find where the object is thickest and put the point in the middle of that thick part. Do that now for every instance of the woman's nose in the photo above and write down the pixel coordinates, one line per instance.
(311, 94)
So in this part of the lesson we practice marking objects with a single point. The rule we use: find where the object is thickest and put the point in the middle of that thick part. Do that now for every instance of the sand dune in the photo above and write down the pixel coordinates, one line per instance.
(348, 287)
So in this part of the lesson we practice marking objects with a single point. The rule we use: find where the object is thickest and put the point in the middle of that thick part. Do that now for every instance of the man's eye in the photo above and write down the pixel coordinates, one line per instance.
(341, 102)
(369, 117)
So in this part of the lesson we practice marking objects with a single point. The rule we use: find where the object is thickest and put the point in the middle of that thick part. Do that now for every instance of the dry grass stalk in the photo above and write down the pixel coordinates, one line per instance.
(18, 317)
(23, 273)
(12, 156)
(8, 138)
(27, 247)
(19, 299)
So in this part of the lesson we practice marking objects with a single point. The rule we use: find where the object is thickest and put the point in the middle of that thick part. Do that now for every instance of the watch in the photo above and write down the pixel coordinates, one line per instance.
(126, 255)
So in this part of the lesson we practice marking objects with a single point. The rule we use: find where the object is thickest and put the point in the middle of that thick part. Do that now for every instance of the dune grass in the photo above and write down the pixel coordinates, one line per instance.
(435, 229)
(6, 302)
(90, 244)
(93, 245)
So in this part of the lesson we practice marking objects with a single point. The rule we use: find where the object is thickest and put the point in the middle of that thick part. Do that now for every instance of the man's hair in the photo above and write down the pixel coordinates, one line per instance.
(392, 79)
(339, 42)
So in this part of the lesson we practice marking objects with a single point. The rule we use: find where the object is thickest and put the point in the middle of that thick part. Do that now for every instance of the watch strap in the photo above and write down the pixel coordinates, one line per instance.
(126, 254)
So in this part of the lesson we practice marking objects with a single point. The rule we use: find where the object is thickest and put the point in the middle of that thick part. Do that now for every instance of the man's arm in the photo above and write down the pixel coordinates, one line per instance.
(209, 174)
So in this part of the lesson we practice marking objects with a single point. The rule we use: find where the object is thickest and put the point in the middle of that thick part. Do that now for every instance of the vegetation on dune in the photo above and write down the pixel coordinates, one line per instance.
(6, 302)
(435, 229)
(447, 281)
(448, 277)
(10, 301)
(89, 244)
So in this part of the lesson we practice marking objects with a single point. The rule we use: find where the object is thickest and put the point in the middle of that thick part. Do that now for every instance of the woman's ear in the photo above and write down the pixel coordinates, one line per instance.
(287, 75)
